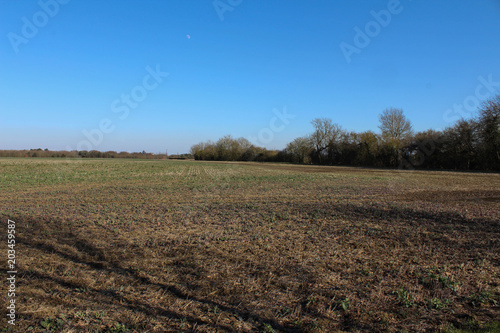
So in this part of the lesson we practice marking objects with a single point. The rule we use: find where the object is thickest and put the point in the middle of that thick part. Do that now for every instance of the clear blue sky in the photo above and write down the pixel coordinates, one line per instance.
(64, 69)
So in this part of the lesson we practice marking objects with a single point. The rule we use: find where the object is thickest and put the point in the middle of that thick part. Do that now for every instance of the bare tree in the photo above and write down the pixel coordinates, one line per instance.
(243, 144)
(325, 134)
(395, 127)
(396, 131)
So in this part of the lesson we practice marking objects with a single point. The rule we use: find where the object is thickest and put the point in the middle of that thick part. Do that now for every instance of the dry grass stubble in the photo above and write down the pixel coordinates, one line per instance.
(177, 246)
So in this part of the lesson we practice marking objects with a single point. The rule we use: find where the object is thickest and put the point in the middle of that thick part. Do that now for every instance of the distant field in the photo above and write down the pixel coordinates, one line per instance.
(176, 246)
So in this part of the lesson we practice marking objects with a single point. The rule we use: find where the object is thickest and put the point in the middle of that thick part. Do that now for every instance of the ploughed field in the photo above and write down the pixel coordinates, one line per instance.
(178, 246)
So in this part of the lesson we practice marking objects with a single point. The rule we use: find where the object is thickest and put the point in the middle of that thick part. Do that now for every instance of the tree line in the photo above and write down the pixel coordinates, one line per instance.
(469, 144)
(39, 152)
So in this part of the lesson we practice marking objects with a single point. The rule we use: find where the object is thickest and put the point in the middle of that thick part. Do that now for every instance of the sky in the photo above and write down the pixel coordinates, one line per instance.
(154, 75)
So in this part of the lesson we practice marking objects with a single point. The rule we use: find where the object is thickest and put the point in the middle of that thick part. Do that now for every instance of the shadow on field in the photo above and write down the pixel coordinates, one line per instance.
(111, 298)
(59, 247)
(66, 246)
(449, 232)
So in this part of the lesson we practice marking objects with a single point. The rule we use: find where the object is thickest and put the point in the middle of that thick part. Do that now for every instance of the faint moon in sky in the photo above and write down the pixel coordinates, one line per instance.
(188, 36)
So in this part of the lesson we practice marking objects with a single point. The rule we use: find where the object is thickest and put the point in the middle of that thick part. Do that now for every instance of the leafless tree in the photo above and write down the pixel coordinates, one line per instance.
(396, 132)
(325, 134)
(394, 124)
(395, 127)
